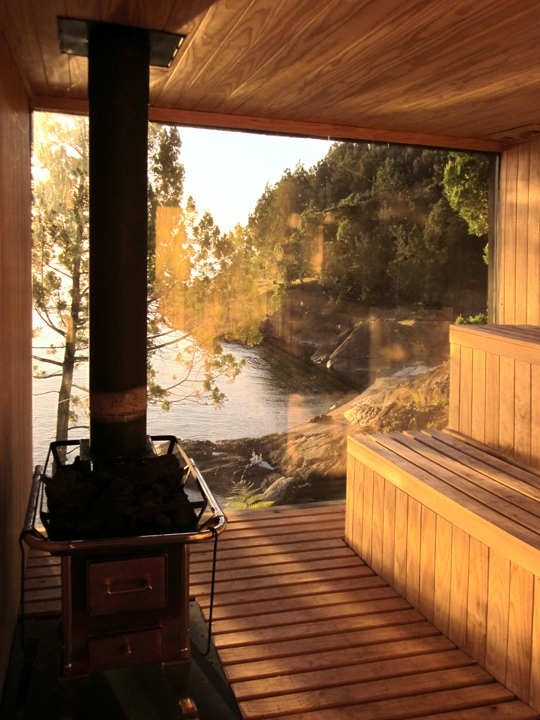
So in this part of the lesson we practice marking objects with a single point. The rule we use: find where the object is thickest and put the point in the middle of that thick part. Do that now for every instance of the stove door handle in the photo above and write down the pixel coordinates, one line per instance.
(145, 585)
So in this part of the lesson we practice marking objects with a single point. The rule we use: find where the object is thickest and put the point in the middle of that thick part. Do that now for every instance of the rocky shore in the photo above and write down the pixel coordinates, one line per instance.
(308, 463)
(394, 361)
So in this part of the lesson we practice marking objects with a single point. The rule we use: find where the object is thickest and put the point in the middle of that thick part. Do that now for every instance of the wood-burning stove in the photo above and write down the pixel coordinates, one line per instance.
(125, 598)
(125, 582)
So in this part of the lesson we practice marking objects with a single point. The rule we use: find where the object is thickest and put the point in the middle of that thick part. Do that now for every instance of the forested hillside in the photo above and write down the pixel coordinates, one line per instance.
(376, 224)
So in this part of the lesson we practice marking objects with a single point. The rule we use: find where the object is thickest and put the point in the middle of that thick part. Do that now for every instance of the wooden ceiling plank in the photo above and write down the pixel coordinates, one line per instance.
(21, 34)
(380, 71)
(211, 33)
(56, 64)
(324, 24)
(398, 71)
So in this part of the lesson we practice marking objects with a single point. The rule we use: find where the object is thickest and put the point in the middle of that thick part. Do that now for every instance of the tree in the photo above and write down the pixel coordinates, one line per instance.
(60, 262)
(60, 249)
(466, 182)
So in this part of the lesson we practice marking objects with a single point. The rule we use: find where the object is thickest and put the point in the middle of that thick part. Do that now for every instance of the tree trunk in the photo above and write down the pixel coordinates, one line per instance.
(71, 337)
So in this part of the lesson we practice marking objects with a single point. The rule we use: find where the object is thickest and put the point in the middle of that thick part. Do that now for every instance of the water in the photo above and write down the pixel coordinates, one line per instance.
(273, 393)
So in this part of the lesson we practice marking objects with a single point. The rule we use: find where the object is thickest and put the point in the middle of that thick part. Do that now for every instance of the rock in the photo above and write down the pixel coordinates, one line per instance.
(309, 462)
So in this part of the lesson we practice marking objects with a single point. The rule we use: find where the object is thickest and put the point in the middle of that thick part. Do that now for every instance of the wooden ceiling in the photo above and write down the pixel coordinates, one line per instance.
(456, 73)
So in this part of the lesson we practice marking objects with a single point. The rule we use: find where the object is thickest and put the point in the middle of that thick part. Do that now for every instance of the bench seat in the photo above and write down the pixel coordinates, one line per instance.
(455, 527)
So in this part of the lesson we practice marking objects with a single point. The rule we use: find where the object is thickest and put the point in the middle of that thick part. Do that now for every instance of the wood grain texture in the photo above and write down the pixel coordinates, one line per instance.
(15, 338)
(517, 251)
(383, 71)
(476, 585)
(350, 648)
(503, 382)
(311, 644)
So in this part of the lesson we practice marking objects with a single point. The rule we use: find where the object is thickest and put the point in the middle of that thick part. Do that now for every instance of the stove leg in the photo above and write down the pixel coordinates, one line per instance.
(178, 675)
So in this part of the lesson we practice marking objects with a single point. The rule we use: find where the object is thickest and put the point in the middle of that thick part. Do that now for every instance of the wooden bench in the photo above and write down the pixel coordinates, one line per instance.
(455, 527)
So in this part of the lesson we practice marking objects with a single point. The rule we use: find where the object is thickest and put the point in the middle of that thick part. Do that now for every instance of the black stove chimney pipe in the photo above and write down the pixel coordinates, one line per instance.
(118, 82)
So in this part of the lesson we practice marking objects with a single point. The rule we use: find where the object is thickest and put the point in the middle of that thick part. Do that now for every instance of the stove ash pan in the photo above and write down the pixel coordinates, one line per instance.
(162, 495)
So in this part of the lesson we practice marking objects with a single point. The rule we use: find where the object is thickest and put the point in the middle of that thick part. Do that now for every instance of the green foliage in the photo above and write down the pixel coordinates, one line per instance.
(372, 223)
(466, 178)
(245, 496)
(60, 251)
(478, 319)
(60, 262)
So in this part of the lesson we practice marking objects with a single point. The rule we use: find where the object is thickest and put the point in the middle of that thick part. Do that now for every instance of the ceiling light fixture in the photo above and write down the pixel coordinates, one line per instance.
(73, 35)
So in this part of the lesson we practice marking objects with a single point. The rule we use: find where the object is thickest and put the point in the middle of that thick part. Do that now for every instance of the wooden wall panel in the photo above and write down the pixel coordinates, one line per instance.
(15, 338)
(477, 600)
(520, 625)
(534, 694)
(498, 391)
(517, 251)
(497, 614)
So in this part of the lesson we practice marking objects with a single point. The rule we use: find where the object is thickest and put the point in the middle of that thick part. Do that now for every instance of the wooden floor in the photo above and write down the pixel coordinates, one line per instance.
(305, 630)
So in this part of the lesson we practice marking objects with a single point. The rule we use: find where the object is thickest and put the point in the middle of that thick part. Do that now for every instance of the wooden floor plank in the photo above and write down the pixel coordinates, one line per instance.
(423, 639)
(413, 707)
(365, 692)
(501, 711)
(307, 630)
(298, 604)
(359, 672)
(412, 624)
(238, 602)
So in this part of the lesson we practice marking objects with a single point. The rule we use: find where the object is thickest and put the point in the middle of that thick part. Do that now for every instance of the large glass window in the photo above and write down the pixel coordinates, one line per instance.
(299, 290)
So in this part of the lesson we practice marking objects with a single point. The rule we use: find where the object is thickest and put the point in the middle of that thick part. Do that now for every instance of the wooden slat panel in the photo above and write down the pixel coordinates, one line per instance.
(376, 614)
(239, 602)
(417, 706)
(443, 564)
(422, 639)
(522, 219)
(520, 620)
(502, 711)
(303, 576)
(522, 411)
(400, 551)
(367, 515)
(507, 404)
(300, 619)
(414, 529)
(535, 415)
(492, 399)
(389, 539)
(350, 599)
(397, 626)
(498, 612)
(366, 692)
(508, 234)
(454, 393)
(534, 693)
(360, 672)
(466, 391)
(477, 600)
(533, 239)
(377, 533)
(478, 410)
(427, 563)
(459, 587)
